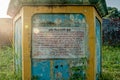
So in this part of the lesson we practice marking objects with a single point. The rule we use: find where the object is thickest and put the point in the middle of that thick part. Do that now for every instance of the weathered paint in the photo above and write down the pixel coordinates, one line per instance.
(98, 49)
(61, 70)
(58, 36)
(28, 11)
(15, 5)
(85, 10)
(40, 69)
(18, 45)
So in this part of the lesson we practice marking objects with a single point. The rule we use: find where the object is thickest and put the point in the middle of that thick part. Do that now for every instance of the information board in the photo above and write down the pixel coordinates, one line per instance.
(58, 42)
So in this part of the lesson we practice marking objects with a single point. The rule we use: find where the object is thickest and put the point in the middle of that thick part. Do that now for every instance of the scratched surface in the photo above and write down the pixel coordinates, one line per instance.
(18, 45)
(98, 49)
(58, 43)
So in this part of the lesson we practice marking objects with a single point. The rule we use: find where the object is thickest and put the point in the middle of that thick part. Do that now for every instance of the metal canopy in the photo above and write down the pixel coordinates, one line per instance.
(15, 5)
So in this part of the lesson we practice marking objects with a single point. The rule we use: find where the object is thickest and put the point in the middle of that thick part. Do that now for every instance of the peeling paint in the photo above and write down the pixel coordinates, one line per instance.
(58, 44)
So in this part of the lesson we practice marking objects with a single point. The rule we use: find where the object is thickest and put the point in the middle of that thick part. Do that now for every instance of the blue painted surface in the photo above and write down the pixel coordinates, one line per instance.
(18, 46)
(98, 49)
(58, 20)
(41, 69)
(60, 68)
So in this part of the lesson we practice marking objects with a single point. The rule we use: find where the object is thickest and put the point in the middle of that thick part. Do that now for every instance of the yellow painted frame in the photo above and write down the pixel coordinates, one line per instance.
(26, 14)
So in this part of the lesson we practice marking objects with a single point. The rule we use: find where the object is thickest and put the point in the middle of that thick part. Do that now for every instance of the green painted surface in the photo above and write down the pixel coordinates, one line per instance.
(15, 5)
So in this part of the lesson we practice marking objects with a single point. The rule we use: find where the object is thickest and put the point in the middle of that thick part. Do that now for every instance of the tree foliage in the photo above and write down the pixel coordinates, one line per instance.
(111, 27)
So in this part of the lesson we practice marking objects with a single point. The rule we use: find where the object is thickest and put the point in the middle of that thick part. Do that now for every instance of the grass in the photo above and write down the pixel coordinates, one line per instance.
(110, 64)
(6, 64)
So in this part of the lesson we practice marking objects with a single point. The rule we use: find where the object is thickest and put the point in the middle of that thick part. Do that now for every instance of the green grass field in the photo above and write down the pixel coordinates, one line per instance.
(110, 64)
(7, 64)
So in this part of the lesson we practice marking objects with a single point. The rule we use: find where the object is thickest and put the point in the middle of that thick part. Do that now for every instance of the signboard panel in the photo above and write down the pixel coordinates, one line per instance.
(56, 42)
(52, 39)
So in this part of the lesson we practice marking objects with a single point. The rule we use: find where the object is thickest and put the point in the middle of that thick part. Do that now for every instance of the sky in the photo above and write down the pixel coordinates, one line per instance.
(113, 3)
(4, 6)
